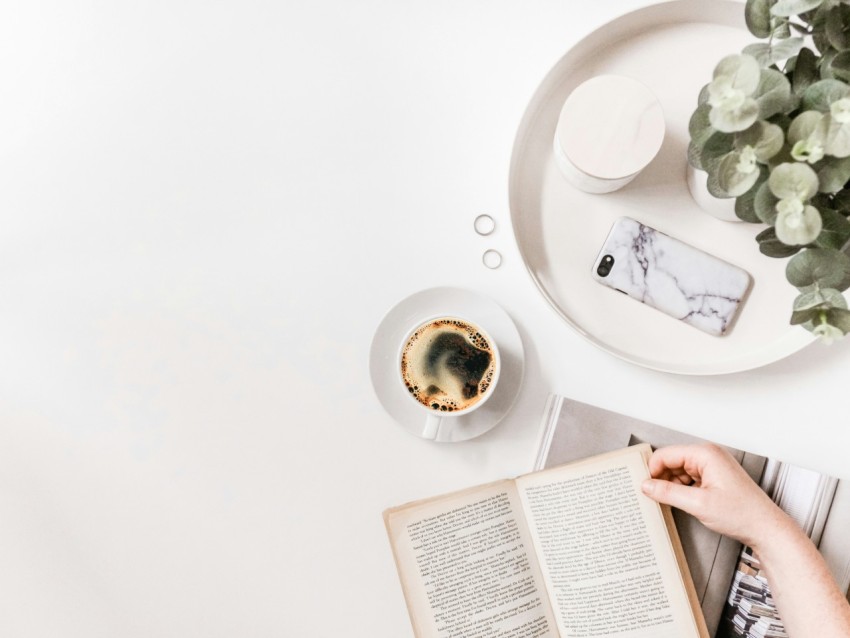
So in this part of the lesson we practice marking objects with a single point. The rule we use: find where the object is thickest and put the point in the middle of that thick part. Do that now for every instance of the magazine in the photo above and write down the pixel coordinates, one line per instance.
(734, 596)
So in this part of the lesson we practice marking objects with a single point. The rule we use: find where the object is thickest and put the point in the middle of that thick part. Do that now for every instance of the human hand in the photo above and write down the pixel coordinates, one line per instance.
(707, 482)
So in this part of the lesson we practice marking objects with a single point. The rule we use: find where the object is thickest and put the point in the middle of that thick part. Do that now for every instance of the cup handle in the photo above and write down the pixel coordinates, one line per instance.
(432, 426)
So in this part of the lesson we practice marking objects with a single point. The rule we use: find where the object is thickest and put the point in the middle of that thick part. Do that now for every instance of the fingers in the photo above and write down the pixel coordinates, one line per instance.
(720, 494)
(683, 479)
(676, 475)
(681, 460)
(687, 498)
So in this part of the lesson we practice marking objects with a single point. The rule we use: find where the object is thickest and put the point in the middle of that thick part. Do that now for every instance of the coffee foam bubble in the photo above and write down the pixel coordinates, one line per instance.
(448, 364)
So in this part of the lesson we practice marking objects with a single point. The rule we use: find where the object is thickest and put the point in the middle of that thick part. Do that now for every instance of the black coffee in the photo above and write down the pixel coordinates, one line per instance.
(447, 364)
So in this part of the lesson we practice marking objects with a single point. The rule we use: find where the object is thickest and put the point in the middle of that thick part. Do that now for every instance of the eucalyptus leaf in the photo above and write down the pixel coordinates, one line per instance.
(745, 204)
(822, 93)
(836, 135)
(817, 17)
(744, 208)
(771, 246)
(695, 156)
(838, 27)
(817, 21)
(715, 148)
(775, 51)
(833, 174)
(712, 183)
(741, 70)
(823, 331)
(731, 120)
(761, 51)
(764, 204)
(834, 298)
(822, 44)
(781, 120)
(841, 201)
(790, 64)
(840, 318)
(766, 140)
(782, 157)
(757, 15)
(783, 49)
(826, 268)
(823, 201)
(797, 224)
(794, 7)
(839, 65)
(773, 93)
(731, 179)
(699, 125)
(803, 126)
(835, 232)
(703, 96)
(767, 54)
(781, 28)
(805, 71)
(793, 181)
(822, 297)
(771, 80)
(828, 324)
(802, 316)
(771, 142)
(825, 64)
(801, 29)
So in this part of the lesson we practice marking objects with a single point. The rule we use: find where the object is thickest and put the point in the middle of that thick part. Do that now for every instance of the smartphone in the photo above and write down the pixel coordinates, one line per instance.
(671, 276)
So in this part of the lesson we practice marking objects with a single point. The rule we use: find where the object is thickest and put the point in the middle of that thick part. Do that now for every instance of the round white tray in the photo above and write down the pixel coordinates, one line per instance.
(671, 47)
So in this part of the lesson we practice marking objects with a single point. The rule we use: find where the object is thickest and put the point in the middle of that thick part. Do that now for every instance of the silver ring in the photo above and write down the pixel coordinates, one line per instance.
(484, 225)
(492, 259)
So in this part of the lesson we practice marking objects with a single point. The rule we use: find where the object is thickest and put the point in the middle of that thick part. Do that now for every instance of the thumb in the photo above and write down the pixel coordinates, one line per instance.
(684, 497)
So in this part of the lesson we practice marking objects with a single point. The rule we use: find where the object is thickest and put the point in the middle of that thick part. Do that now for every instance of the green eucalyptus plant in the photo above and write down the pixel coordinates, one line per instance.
(772, 130)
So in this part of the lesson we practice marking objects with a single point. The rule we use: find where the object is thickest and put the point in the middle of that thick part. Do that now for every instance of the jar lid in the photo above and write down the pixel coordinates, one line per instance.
(610, 127)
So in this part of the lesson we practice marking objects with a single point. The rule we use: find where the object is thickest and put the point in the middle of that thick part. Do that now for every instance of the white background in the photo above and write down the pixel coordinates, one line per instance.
(206, 208)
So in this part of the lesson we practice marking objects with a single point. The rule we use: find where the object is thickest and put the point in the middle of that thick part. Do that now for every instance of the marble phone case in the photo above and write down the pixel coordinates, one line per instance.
(673, 277)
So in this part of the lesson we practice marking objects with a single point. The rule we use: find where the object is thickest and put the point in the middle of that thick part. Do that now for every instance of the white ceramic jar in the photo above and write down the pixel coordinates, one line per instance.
(610, 128)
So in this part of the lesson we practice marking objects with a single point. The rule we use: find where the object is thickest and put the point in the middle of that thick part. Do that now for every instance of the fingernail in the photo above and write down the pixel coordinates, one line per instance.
(647, 487)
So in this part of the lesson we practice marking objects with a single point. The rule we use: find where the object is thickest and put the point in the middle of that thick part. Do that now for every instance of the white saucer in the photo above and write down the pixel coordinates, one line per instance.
(383, 364)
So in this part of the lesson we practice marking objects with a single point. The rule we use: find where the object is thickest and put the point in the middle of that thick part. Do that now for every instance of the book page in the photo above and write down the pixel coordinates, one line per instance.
(572, 431)
(468, 568)
(604, 549)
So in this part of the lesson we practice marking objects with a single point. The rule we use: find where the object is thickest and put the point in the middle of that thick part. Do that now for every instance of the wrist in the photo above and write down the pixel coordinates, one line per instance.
(774, 533)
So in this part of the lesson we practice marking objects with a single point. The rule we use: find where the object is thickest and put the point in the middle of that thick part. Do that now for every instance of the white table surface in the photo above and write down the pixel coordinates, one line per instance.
(206, 209)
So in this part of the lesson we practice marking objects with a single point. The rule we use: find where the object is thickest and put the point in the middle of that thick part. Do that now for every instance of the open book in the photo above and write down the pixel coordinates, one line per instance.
(735, 597)
(574, 551)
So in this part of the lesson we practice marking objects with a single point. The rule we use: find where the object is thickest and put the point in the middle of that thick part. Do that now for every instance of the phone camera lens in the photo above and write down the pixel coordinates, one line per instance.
(604, 267)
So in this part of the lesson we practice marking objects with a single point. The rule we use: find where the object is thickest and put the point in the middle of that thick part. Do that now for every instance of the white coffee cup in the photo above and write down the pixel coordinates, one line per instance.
(449, 367)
